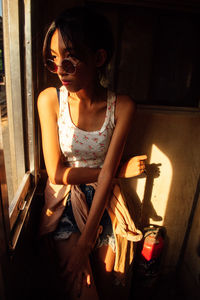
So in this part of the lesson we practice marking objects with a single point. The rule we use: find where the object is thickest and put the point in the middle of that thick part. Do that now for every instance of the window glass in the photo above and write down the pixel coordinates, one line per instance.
(11, 105)
(17, 109)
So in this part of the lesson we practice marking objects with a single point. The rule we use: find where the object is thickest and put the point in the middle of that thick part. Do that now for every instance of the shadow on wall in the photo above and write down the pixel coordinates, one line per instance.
(148, 210)
(144, 210)
(167, 192)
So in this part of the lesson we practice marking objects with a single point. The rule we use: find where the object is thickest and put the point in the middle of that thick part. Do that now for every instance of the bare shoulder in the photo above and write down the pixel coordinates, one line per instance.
(125, 106)
(47, 98)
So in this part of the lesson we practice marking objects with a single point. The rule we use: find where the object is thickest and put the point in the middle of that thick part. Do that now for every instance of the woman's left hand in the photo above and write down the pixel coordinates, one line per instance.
(134, 167)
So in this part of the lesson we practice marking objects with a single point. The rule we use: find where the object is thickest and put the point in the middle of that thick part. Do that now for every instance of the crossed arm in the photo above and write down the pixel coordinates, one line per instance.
(60, 174)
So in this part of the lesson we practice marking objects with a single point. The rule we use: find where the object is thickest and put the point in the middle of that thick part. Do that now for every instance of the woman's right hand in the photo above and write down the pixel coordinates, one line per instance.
(83, 279)
(78, 269)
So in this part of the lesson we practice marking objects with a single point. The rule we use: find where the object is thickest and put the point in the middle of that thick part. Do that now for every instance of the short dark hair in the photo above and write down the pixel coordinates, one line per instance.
(86, 29)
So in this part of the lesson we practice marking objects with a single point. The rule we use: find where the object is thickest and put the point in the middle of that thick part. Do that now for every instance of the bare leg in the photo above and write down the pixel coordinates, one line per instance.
(103, 261)
(63, 251)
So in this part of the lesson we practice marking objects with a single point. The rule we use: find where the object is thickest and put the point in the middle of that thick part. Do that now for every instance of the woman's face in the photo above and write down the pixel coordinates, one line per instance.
(85, 73)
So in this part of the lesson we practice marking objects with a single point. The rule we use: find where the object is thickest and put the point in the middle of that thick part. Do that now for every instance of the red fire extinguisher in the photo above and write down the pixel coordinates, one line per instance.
(149, 257)
(150, 253)
(153, 243)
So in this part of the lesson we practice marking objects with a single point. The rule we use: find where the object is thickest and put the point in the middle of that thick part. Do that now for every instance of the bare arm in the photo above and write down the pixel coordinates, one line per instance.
(124, 115)
(48, 109)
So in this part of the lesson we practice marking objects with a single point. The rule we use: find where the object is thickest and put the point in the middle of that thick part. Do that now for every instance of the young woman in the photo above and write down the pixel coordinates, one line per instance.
(84, 129)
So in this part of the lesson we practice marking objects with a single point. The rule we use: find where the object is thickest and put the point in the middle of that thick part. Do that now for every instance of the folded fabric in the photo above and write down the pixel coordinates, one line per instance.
(55, 196)
(123, 225)
(125, 233)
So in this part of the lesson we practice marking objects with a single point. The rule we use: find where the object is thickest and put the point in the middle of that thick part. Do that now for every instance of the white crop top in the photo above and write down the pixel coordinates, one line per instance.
(84, 148)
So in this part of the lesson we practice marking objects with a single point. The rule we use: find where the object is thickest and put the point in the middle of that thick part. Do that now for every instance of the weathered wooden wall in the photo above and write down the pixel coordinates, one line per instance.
(191, 265)
(171, 141)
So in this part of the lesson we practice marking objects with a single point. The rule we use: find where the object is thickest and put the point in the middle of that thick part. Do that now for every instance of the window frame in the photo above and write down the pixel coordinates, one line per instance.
(21, 115)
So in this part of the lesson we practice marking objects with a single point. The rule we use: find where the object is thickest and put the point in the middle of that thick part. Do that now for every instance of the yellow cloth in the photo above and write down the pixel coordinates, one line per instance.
(124, 230)
(123, 226)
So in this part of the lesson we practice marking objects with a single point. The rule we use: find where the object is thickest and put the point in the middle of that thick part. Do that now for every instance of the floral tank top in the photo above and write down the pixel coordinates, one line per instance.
(82, 148)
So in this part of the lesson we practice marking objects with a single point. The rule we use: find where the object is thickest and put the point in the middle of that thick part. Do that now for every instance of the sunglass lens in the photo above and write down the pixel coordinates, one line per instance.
(51, 66)
(68, 66)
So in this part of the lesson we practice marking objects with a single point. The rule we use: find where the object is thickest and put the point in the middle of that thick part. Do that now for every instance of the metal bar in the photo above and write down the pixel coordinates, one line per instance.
(29, 88)
(4, 214)
(20, 220)
(19, 198)
(4, 220)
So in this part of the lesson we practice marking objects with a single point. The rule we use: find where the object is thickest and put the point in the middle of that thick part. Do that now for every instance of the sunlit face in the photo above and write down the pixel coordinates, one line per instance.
(85, 71)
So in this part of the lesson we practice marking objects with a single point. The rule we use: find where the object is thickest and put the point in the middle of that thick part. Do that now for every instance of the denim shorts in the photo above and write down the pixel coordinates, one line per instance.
(67, 224)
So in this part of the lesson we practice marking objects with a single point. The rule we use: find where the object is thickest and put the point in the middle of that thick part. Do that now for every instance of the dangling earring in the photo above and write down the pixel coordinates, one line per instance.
(104, 78)
(101, 77)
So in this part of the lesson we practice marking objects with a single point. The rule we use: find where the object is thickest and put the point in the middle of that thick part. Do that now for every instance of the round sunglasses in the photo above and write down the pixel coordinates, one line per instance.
(67, 65)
